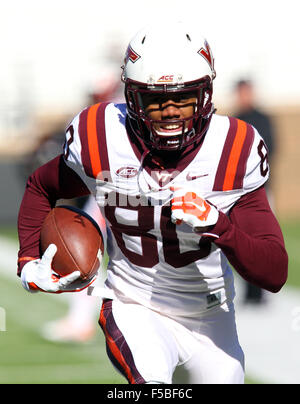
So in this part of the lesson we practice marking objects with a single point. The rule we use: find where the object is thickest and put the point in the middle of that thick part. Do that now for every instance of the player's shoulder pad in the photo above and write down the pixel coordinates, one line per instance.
(257, 169)
(239, 163)
(85, 143)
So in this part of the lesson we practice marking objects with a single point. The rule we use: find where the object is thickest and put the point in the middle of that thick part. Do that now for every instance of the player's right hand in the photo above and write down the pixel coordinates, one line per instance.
(38, 275)
(192, 209)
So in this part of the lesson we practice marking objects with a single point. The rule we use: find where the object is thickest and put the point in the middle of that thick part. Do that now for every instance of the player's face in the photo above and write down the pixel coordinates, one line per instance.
(170, 107)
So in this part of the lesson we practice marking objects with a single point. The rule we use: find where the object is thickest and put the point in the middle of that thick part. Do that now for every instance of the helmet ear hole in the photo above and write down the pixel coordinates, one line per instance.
(131, 100)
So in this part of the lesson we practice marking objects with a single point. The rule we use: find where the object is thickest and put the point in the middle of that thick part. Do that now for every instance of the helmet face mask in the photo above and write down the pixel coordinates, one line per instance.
(147, 90)
(138, 97)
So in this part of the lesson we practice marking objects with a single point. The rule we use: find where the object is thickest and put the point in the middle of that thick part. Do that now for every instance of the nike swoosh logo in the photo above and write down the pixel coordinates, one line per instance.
(191, 177)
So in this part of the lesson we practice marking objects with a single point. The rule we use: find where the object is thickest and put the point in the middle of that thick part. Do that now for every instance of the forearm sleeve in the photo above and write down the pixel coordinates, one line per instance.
(252, 241)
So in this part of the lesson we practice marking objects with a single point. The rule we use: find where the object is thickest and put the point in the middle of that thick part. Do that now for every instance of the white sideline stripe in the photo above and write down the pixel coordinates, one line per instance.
(269, 335)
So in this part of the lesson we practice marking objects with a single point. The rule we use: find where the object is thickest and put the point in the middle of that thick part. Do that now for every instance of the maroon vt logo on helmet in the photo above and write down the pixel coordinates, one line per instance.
(131, 55)
(207, 54)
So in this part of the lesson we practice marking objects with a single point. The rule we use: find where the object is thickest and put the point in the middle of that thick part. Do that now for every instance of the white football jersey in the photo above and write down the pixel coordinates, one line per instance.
(165, 267)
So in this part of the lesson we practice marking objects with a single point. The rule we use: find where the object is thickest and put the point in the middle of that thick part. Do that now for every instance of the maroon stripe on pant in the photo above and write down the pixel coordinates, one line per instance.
(117, 348)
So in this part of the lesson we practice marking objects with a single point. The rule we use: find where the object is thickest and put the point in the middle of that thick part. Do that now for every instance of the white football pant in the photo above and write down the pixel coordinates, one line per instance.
(147, 347)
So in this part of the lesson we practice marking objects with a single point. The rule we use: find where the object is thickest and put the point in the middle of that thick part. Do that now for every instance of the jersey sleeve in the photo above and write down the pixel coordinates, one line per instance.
(85, 149)
(79, 147)
(257, 167)
(72, 151)
(243, 164)
(251, 239)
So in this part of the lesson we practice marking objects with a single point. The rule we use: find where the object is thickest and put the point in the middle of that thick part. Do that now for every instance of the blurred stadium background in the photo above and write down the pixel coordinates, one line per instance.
(57, 56)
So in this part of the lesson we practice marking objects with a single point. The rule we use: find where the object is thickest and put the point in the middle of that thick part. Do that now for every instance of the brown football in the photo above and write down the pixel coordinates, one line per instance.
(78, 240)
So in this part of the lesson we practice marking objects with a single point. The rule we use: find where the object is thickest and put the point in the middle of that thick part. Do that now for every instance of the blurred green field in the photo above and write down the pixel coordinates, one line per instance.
(27, 358)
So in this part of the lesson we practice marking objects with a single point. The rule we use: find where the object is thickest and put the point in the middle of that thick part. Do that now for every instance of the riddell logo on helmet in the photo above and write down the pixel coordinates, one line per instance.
(166, 79)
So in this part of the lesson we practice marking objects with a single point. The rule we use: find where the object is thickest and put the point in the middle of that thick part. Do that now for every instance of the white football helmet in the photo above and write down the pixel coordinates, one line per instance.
(171, 58)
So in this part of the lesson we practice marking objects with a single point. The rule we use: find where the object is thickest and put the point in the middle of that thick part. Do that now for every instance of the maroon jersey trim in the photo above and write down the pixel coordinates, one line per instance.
(232, 165)
(92, 134)
(245, 152)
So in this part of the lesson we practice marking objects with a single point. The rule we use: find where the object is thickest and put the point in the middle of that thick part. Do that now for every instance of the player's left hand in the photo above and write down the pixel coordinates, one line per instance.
(190, 208)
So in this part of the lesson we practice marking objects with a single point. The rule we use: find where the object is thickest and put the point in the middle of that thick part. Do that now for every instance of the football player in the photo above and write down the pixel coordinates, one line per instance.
(182, 192)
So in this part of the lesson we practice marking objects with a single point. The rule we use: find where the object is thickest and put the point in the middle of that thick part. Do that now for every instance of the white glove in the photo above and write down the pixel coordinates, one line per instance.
(37, 275)
(190, 208)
